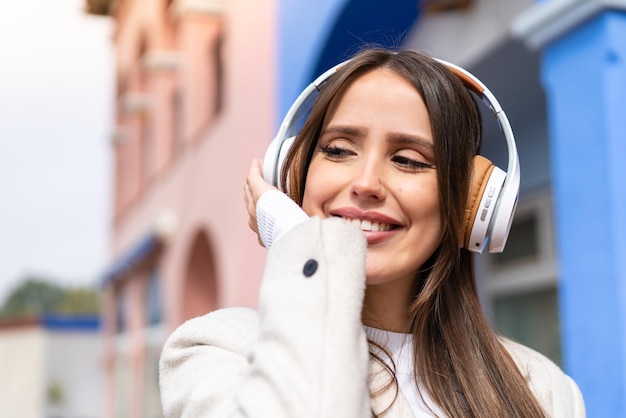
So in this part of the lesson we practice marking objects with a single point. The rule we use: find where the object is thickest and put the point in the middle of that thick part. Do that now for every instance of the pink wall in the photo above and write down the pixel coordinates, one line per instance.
(182, 154)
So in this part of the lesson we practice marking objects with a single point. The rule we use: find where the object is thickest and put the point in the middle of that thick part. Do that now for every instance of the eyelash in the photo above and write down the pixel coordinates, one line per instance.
(337, 153)
(412, 164)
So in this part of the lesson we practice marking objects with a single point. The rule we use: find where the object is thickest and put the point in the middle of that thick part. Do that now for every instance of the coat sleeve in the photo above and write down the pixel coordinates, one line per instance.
(304, 355)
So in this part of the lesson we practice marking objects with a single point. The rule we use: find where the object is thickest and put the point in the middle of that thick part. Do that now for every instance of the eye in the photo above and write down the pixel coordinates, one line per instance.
(410, 163)
(334, 152)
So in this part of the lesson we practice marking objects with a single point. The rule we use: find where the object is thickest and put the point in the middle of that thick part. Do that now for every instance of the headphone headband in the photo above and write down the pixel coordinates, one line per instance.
(492, 211)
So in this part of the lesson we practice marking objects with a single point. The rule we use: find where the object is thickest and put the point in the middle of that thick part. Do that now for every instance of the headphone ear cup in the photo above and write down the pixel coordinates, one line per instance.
(485, 187)
(270, 160)
(481, 171)
(274, 160)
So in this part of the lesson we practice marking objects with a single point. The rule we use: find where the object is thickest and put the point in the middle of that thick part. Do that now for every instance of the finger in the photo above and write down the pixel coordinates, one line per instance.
(253, 225)
(250, 207)
(256, 182)
(247, 197)
(256, 167)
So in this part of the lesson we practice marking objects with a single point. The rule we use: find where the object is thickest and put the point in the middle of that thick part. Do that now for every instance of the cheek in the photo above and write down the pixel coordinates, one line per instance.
(324, 182)
(307, 202)
(425, 204)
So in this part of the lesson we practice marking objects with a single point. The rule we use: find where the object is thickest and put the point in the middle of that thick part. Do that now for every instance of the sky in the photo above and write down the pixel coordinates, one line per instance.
(56, 93)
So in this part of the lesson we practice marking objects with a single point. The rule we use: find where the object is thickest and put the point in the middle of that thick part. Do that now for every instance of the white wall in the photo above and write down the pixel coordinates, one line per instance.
(31, 357)
(21, 363)
(74, 361)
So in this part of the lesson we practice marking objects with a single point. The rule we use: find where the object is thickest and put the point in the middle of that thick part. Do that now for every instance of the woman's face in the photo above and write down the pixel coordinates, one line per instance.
(374, 165)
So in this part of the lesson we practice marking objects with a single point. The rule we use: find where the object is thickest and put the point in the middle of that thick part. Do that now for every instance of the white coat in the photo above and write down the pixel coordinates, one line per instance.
(304, 353)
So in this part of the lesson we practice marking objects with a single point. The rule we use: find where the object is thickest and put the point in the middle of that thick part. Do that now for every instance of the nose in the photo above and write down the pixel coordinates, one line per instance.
(367, 183)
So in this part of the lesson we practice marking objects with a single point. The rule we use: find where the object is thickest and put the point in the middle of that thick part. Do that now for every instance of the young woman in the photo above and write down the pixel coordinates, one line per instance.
(368, 305)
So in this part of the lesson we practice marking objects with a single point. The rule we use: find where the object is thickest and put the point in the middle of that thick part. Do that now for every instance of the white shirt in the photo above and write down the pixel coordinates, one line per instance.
(399, 347)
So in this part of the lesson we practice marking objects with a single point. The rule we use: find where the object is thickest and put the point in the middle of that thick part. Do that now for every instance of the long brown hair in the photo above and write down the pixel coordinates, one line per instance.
(458, 357)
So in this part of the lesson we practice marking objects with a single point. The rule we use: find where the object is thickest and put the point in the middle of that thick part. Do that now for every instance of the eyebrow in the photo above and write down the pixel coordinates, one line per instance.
(342, 129)
(400, 139)
(395, 137)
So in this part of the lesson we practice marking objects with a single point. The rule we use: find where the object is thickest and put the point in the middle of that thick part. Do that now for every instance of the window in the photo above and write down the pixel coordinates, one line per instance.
(529, 258)
(153, 406)
(154, 341)
(523, 242)
(120, 151)
(154, 309)
(177, 121)
(217, 67)
(147, 151)
(144, 122)
(531, 318)
(520, 284)
(121, 311)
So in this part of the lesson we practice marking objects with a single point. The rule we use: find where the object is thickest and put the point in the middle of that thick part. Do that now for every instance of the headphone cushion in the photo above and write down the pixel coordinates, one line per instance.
(482, 169)
(274, 160)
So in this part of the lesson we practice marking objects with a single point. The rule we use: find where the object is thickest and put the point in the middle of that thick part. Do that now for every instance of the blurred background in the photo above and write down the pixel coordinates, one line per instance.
(126, 132)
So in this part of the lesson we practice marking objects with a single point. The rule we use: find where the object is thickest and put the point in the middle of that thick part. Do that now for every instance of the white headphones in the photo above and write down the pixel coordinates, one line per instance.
(493, 192)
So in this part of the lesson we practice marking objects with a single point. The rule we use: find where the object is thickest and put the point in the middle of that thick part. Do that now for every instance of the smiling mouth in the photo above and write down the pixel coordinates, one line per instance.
(369, 226)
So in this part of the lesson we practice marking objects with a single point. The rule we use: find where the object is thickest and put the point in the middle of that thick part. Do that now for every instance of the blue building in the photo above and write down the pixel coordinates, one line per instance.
(558, 68)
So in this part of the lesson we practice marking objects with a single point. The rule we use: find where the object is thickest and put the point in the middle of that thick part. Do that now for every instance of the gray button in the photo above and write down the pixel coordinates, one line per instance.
(310, 267)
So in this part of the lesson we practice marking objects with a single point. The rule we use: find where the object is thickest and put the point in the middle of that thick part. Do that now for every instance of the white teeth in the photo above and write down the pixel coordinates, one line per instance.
(369, 225)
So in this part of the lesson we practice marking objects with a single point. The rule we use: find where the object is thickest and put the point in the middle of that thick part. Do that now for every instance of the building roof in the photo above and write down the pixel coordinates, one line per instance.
(54, 322)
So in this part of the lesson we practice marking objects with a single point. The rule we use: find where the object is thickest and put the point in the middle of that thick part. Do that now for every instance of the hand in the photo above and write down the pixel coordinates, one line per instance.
(253, 189)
